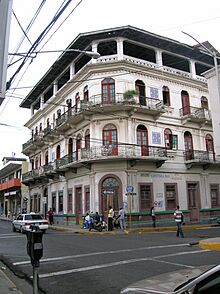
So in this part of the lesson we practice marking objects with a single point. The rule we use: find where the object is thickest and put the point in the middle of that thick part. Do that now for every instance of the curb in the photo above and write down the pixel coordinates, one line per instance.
(211, 244)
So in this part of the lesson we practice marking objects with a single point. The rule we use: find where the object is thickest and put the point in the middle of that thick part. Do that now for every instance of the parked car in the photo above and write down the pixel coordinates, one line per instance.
(187, 281)
(23, 222)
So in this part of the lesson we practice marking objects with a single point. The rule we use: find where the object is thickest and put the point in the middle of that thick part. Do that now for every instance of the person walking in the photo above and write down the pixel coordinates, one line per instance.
(178, 215)
(153, 216)
(121, 216)
(110, 218)
(50, 215)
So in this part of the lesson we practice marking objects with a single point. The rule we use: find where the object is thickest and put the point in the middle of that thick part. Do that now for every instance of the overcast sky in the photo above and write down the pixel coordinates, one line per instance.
(200, 18)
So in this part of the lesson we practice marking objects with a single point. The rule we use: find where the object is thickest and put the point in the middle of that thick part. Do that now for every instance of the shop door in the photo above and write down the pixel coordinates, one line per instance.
(193, 201)
(78, 204)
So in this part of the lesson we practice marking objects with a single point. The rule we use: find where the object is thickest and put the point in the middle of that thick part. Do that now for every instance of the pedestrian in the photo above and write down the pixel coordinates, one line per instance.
(121, 216)
(178, 215)
(110, 218)
(153, 216)
(50, 215)
(87, 221)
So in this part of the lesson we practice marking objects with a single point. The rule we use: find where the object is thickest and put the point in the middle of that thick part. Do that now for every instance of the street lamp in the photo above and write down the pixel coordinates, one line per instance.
(214, 55)
(92, 54)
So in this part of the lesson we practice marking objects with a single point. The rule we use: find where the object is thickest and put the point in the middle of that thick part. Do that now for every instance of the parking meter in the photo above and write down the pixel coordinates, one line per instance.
(35, 245)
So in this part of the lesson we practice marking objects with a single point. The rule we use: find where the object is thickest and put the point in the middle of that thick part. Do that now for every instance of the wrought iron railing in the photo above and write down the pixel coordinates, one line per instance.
(199, 155)
(196, 112)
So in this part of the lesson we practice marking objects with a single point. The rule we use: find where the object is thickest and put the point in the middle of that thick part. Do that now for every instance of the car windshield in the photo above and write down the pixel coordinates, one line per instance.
(33, 217)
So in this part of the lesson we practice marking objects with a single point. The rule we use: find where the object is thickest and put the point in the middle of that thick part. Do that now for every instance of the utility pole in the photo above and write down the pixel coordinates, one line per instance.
(5, 22)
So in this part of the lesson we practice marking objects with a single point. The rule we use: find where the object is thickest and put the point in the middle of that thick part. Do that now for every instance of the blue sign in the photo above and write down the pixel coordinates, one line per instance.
(130, 189)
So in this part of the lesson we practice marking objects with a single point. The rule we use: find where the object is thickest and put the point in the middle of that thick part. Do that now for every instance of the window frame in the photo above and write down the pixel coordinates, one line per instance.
(167, 207)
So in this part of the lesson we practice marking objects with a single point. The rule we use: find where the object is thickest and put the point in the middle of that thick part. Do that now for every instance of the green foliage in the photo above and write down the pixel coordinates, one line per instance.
(129, 94)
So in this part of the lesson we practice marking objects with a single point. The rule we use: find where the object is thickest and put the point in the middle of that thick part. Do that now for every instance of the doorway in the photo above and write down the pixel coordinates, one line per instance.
(193, 196)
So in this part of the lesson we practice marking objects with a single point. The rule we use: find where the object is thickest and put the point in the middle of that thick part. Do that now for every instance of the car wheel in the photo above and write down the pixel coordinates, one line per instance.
(13, 228)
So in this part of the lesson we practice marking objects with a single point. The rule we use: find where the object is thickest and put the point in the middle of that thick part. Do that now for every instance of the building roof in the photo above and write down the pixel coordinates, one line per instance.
(83, 42)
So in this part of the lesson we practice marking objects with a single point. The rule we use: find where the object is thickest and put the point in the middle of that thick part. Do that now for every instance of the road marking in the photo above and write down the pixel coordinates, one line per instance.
(122, 262)
(10, 236)
(101, 253)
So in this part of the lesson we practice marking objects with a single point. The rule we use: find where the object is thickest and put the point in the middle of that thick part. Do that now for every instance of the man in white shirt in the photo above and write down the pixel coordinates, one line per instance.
(121, 216)
(178, 215)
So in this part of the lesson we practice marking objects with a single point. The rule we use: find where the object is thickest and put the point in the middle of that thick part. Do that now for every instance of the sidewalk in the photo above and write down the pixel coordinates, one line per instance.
(7, 286)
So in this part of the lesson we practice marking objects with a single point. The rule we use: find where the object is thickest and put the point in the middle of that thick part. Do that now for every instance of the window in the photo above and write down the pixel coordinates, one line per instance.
(211, 284)
(48, 122)
(54, 201)
(58, 152)
(70, 201)
(142, 139)
(46, 158)
(171, 196)
(185, 103)
(204, 102)
(166, 95)
(214, 193)
(110, 141)
(188, 142)
(87, 139)
(87, 199)
(210, 146)
(108, 91)
(59, 113)
(60, 201)
(86, 93)
(40, 128)
(145, 197)
(175, 142)
(168, 138)
(140, 88)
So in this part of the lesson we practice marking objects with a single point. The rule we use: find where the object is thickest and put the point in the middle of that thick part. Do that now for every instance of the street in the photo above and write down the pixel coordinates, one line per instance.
(74, 263)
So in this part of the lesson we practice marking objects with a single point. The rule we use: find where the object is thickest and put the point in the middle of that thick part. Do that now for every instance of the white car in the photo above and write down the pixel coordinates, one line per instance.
(185, 281)
(23, 222)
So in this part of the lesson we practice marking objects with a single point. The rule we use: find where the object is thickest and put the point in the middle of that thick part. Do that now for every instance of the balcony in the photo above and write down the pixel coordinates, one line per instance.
(200, 158)
(98, 104)
(13, 183)
(131, 153)
(195, 114)
(37, 174)
(33, 144)
(49, 133)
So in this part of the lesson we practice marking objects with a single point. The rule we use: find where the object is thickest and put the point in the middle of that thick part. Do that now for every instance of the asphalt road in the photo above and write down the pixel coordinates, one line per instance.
(74, 263)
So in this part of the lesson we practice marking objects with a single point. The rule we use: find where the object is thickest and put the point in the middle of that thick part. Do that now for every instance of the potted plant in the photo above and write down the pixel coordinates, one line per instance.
(129, 95)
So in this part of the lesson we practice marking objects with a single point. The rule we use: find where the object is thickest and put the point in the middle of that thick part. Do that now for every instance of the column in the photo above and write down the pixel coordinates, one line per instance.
(94, 194)
(192, 68)
(72, 70)
(55, 87)
(41, 102)
(94, 49)
(159, 59)
(120, 52)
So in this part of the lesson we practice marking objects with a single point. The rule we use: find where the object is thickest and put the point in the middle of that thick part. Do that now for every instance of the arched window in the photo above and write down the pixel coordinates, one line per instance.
(185, 103)
(204, 102)
(168, 138)
(78, 145)
(87, 139)
(110, 140)
(188, 142)
(140, 88)
(108, 91)
(166, 95)
(70, 149)
(36, 130)
(48, 122)
(86, 93)
(210, 146)
(59, 113)
(36, 163)
(77, 99)
(40, 128)
(142, 139)
(69, 106)
(58, 152)
(46, 158)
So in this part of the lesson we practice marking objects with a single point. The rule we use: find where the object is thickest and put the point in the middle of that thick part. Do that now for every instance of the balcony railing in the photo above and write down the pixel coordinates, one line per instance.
(199, 155)
(13, 183)
(119, 151)
(200, 114)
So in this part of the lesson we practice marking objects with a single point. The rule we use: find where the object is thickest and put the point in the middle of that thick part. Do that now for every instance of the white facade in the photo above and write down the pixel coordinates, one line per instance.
(160, 142)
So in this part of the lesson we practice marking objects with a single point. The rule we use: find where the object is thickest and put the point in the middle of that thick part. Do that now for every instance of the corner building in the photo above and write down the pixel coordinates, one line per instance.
(131, 128)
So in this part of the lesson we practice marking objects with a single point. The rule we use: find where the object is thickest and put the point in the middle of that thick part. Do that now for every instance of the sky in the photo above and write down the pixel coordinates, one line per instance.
(199, 18)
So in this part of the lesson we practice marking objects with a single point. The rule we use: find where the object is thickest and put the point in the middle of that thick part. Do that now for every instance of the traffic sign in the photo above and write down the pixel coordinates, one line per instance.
(130, 189)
